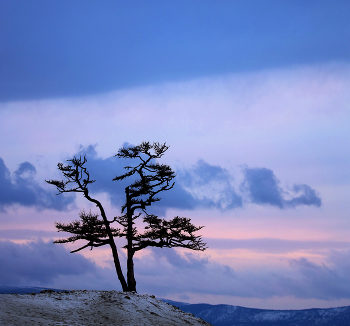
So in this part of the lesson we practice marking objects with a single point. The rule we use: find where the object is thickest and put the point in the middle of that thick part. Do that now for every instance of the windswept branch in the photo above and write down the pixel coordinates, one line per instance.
(89, 228)
(77, 177)
(178, 232)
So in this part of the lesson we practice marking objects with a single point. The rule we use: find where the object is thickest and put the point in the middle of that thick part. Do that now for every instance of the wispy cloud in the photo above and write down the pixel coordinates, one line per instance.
(275, 245)
(210, 185)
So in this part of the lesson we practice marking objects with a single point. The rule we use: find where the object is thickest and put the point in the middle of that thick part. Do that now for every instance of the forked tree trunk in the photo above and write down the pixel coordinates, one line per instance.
(130, 263)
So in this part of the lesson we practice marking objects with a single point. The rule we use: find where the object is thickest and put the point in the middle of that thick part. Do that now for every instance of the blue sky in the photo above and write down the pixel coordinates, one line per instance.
(253, 99)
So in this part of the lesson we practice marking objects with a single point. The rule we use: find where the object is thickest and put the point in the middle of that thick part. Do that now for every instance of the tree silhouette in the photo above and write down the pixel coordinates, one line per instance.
(152, 178)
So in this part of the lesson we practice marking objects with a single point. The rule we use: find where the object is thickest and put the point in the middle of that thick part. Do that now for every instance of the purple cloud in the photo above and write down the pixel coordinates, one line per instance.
(23, 190)
(263, 188)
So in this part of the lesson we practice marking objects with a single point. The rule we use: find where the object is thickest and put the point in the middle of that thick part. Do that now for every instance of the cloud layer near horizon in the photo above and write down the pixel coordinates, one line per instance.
(167, 272)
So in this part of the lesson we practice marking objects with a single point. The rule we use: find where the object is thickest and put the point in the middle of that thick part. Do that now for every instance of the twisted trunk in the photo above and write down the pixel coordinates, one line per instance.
(111, 243)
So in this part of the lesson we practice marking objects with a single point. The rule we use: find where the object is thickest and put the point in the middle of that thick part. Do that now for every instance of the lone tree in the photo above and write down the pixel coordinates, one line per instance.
(152, 178)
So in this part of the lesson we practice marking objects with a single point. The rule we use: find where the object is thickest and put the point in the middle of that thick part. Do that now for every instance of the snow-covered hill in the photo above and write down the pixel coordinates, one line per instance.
(226, 315)
(85, 308)
(117, 308)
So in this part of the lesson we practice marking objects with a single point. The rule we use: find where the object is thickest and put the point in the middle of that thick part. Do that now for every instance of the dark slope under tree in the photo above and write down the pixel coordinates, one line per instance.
(152, 178)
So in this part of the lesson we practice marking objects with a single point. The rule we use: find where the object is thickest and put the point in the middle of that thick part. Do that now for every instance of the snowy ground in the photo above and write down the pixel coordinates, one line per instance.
(85, 308)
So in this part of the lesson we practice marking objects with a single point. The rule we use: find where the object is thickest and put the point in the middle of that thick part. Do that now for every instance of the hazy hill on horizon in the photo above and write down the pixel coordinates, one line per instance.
(229, 315)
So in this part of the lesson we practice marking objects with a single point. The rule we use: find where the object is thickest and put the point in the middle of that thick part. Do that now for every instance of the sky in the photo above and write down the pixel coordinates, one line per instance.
(251, 96)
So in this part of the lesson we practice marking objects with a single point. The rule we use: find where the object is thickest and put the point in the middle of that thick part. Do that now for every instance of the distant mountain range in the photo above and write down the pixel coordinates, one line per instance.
(227, 315)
